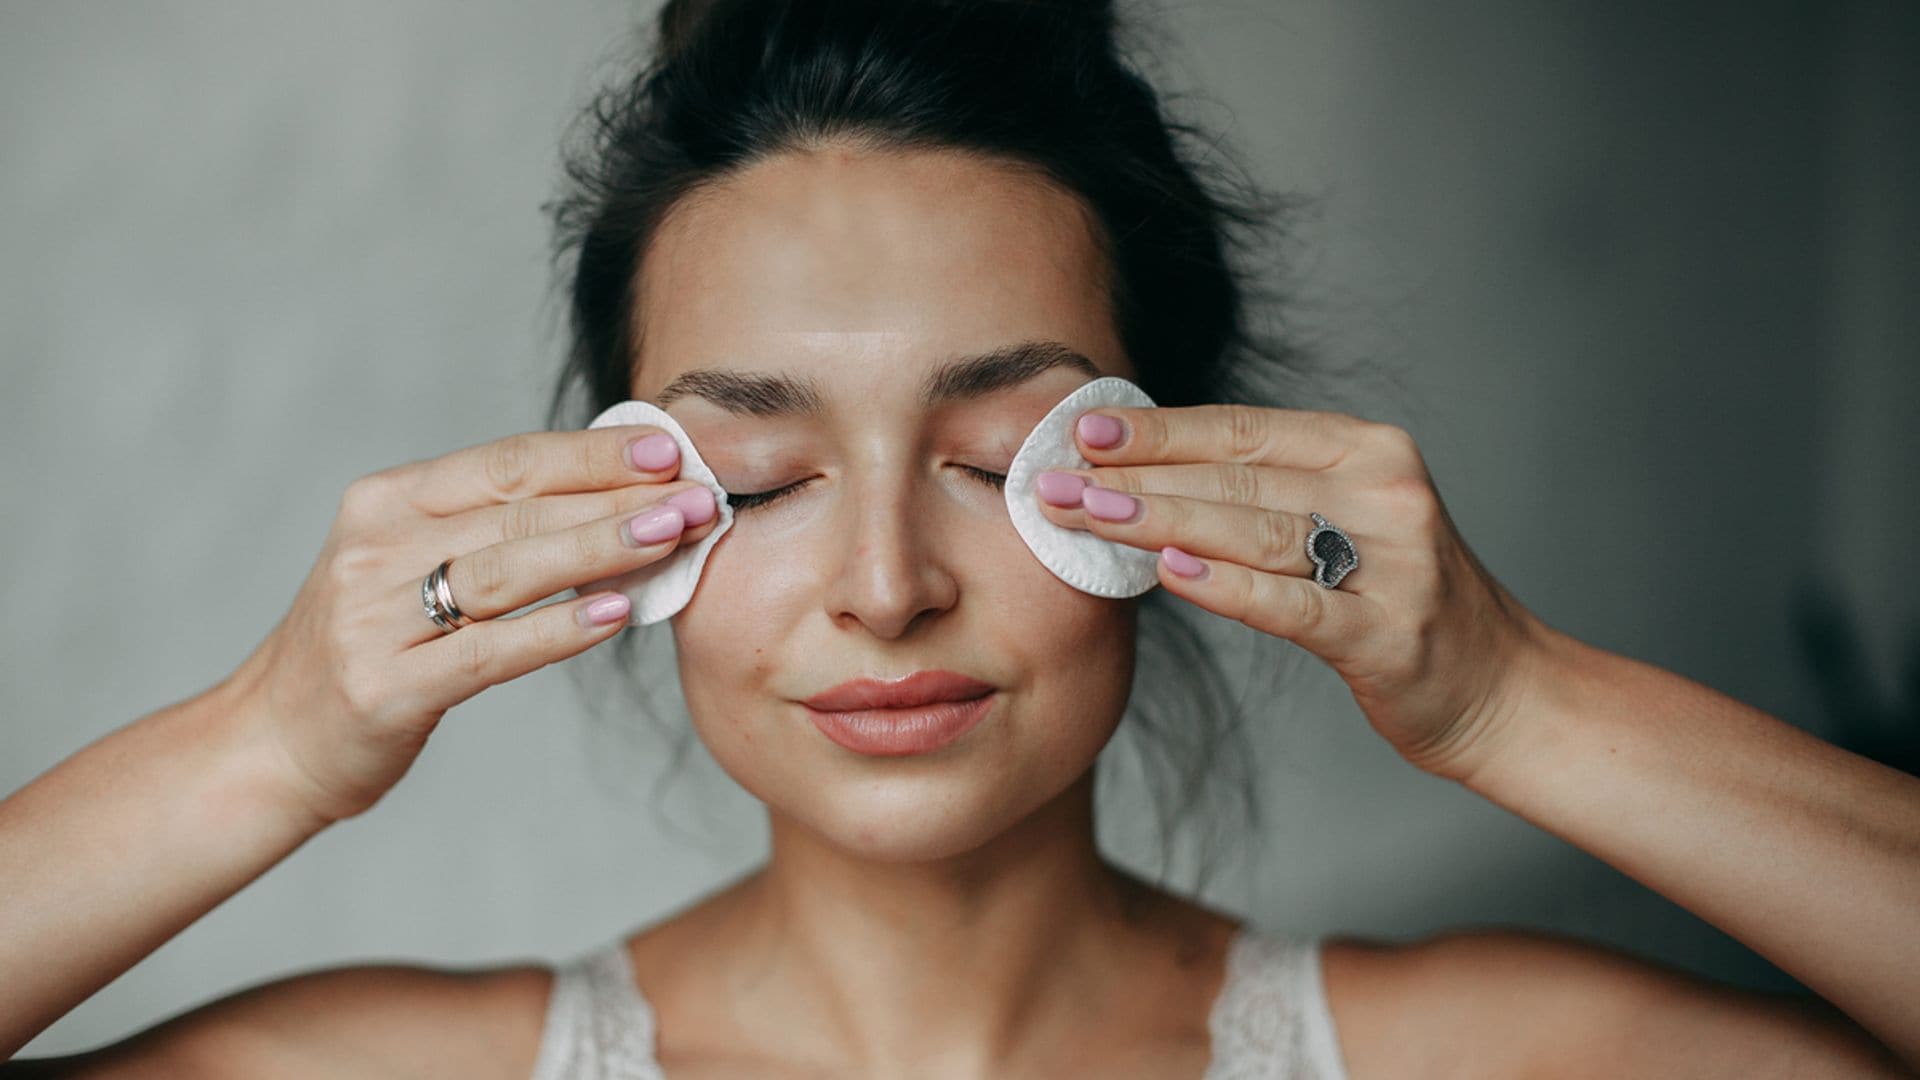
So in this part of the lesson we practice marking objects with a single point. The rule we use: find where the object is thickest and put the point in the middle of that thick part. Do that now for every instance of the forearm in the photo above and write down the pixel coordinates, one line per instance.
(119, 847)
(1808, 854)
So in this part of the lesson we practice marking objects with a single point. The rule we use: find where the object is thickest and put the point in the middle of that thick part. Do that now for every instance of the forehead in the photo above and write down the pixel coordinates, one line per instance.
(828, 256)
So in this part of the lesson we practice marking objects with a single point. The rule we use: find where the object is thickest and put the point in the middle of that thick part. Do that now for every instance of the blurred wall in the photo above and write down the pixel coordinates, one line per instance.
(1646, 271)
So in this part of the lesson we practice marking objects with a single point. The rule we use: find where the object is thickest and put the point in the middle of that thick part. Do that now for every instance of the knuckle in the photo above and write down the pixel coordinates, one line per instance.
(482, 578)
(365, 495)
(1274, 540)
(1393, 440)
(627, 500)
(554, 635)
(590, 545)
(1246, 431)
(474, 655)
(1240, 484)
(603, 469)
(1309, 607)
(521, 520)
(509, 463)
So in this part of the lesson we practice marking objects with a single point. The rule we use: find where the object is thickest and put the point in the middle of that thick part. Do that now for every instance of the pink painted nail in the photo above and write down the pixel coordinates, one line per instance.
(1109, 505)
(1182, 563)
(653, 453)
(603, 611)
(1101, 432)
(694, 504)
(1059, 488)
(655, 525)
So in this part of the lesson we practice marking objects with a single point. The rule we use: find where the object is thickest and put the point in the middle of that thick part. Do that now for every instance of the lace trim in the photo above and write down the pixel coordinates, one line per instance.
(598, 1025)
(1271, 1019)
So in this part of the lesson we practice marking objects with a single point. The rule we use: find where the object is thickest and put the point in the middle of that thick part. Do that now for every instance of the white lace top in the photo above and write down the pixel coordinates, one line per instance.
(1270, 1019)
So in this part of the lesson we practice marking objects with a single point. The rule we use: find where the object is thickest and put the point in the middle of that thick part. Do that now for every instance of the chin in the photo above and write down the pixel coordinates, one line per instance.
(906, 819)
(904, 809)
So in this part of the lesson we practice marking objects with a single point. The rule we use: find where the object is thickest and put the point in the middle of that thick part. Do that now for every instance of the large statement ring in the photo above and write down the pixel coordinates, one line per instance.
(1332, 552)
(437, 597)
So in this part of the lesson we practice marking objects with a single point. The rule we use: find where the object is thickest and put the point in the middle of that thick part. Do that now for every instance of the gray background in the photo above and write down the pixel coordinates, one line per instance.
(1647, 269)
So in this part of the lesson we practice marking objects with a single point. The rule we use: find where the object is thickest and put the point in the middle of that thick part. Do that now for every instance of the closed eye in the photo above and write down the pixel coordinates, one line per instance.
(750, 500)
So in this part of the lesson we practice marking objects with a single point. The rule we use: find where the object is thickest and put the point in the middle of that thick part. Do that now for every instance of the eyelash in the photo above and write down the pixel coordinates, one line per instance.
(762, 498)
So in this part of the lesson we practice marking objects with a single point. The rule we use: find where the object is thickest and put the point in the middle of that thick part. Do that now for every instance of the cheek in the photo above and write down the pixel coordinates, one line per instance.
(724, 638)
(1078, 655)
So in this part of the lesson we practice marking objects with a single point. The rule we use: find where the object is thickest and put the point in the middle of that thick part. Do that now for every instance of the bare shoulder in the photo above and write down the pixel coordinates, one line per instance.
(373, 1020)
(1504, 1002)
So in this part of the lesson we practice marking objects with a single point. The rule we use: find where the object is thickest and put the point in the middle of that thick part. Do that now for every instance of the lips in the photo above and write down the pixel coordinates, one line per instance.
(915, 690)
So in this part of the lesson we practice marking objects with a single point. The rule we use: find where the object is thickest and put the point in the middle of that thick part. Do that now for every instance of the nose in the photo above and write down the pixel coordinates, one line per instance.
(891, 569)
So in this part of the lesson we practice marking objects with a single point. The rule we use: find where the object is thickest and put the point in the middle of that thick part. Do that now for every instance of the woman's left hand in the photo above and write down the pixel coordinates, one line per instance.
(1436, 652)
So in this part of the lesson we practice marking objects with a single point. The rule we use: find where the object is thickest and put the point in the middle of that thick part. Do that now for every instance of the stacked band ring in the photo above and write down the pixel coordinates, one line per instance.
(437, 597)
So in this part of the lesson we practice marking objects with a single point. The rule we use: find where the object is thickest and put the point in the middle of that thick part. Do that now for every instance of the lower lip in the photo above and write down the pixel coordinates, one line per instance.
(897, 732)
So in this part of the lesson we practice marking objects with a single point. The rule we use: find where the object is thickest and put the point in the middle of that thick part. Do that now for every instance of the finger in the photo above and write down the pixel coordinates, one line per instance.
(507, 576)
(1333, 624)
(445, 671)
(1271, 540)
(474, 529)
(536, 463)
(1298, 438)
(1227, 482)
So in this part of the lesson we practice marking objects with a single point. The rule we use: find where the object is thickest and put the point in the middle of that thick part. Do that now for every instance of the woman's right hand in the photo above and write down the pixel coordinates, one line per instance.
(354, 679)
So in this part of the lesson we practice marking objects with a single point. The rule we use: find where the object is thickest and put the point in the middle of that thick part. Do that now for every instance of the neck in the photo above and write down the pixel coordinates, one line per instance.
(963, 958)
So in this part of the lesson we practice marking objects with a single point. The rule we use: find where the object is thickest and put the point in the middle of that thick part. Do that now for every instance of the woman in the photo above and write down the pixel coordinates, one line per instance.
(859, 250)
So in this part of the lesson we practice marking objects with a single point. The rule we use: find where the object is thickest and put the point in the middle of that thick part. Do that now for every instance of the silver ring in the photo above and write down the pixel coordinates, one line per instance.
(437, 597)
(1332, 552)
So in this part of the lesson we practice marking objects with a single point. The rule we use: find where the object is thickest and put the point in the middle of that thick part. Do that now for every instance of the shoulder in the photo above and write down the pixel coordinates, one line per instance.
(1507, 1002)
(372, 1020)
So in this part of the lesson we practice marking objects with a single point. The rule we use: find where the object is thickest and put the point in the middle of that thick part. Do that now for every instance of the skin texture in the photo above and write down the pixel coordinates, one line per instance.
(989, 929)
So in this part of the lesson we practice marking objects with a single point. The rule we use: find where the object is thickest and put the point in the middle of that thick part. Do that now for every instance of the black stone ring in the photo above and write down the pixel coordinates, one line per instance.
(1332, 552)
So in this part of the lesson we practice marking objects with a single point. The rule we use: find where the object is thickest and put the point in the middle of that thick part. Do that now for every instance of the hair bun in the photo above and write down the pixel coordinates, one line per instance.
(680, 21)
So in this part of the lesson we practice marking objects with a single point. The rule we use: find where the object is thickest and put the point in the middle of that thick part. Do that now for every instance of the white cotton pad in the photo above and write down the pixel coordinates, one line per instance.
(1092, 564)
(661, 588)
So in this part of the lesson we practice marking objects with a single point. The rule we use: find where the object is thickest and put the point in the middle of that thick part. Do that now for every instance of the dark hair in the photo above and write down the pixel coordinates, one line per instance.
(1040, 83)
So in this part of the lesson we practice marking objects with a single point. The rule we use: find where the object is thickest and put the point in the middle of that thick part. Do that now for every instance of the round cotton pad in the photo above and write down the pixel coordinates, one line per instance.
(1092, 564)
(661, 588)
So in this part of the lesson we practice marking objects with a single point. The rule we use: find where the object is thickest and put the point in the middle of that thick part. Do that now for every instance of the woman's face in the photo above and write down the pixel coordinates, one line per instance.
(859, 275)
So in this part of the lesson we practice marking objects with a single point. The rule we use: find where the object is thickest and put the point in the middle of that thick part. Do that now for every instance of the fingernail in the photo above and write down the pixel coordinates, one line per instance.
(1109, 505)
(1059, 488)
(653, 452)
(655, 525)
(1182, 563)
(696, 505)
(1101, 432)
(603, 611)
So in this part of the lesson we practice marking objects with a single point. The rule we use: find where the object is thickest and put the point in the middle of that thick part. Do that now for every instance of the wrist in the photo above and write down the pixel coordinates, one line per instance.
(1512, 721)
(1534, 721)
(257, 777)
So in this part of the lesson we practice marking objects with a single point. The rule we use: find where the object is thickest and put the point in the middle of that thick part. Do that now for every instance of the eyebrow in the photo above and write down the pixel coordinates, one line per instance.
(765, 394)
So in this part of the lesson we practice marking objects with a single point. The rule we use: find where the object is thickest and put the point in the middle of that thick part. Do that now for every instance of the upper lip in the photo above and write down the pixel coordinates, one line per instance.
(919, 688)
